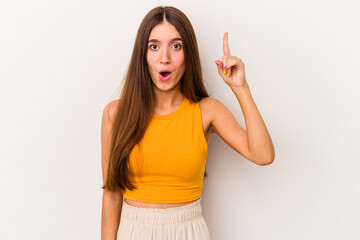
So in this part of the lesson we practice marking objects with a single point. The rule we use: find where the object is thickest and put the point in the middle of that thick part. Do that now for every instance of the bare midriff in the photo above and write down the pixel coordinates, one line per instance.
(156, 205)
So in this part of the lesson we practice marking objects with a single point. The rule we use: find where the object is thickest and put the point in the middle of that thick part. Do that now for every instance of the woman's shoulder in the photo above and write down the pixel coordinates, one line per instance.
(210, 105)
(210, 108)
(110, 109)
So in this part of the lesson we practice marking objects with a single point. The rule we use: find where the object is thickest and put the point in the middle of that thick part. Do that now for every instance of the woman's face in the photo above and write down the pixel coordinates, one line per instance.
(165, 57)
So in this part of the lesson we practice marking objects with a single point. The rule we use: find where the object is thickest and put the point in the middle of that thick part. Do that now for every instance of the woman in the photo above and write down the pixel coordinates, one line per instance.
(154, 138)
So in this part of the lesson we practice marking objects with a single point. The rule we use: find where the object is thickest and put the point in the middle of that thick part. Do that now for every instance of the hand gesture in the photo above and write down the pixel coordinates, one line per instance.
(231, 68)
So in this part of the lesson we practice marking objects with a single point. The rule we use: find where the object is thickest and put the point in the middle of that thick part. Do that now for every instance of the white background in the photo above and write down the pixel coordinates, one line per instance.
(61, 62)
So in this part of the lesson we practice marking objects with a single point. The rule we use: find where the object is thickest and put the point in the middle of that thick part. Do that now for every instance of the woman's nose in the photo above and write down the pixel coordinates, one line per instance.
(165, 56)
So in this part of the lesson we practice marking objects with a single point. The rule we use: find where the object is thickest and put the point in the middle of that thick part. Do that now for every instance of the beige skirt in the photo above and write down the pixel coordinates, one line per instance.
(176, 223)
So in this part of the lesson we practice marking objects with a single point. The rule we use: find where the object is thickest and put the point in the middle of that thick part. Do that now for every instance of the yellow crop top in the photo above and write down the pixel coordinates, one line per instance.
(169, 161)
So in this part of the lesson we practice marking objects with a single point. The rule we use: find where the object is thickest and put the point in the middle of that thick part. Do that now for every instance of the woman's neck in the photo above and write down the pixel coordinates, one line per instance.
(165, 102)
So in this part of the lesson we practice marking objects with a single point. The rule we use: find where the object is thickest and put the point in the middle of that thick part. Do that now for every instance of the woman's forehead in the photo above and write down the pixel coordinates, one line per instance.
(164, 31)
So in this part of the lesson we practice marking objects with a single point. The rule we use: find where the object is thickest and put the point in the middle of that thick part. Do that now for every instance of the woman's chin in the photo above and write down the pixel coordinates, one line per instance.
(165, 86)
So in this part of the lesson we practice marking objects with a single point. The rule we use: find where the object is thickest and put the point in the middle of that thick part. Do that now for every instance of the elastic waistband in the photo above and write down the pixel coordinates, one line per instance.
(156, 216)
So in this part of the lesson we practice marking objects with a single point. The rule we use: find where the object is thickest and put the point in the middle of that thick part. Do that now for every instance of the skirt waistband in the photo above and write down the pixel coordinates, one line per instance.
(158, 216)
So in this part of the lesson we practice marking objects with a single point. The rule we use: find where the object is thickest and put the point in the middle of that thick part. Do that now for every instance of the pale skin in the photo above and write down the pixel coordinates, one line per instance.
(254, 143)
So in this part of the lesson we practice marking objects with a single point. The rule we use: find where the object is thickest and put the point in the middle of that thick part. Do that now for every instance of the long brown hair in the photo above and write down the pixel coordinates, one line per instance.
(137, 99)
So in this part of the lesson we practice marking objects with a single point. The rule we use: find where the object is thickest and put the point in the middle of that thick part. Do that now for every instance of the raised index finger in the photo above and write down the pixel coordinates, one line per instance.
(226, 45)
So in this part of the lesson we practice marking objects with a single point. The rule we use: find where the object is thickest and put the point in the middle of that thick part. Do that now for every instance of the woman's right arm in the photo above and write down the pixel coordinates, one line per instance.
(111, 202)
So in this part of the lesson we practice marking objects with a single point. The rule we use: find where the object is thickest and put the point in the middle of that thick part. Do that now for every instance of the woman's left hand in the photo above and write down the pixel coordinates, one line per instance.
(231, 68)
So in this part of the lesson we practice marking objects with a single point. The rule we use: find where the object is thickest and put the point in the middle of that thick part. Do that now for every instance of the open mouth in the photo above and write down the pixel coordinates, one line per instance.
(165, 74)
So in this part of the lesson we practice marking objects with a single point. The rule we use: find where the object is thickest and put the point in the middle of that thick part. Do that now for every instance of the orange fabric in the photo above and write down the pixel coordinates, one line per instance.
(169, 162)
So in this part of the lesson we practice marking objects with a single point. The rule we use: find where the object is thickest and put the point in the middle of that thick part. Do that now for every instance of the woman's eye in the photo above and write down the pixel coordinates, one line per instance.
(177, 46)
(154, 47)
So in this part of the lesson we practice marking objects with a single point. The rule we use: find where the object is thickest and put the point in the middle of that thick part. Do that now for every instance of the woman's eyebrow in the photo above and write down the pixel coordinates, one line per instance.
(157, 41)
(176, 39)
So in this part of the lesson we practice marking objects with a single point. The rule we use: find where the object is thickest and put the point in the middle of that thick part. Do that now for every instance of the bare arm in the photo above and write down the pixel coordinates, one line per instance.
(110, 217)
(255, 143)
(258, 138)
(111, 202)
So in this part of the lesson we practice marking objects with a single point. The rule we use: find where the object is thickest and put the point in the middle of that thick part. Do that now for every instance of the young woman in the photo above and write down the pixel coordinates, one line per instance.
(155, 137)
